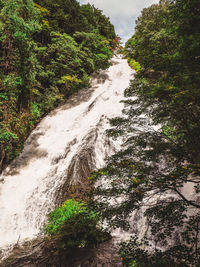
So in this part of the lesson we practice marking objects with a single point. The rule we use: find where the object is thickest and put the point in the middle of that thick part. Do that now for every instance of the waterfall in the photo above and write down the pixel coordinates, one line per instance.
(62, 150)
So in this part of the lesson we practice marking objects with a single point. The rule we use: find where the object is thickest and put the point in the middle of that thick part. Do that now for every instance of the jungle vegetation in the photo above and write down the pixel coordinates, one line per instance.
(48, 49)
(157, 171)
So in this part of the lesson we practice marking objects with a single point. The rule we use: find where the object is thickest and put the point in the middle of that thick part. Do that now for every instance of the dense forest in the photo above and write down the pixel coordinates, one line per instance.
(157, 170)
(48, 49)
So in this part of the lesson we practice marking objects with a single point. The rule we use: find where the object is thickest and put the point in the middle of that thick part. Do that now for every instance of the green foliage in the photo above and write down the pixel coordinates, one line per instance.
(6, 136)
(59, 216)
(133, 255)
(170, 63)
(19, 22)
(75, 225)
(134, 64)
(96, 47)
(153, 165)
(35, 110)
(62, 15)
(41, 61)
(70, 17)
(36, 114)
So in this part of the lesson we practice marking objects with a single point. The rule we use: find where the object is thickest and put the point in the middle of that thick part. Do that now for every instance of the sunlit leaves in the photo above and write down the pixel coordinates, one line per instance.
(75, 225)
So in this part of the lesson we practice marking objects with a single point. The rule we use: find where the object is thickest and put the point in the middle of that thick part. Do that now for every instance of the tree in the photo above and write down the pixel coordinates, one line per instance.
(19, 21)
(41, 64)
(67, 16)
(59, 59)
(63, 15)
(96, 47)
(75, 225)
(160, 157)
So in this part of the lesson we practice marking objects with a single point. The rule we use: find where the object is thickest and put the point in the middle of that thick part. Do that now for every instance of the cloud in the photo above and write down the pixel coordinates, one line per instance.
(122, 13)
(119, 7)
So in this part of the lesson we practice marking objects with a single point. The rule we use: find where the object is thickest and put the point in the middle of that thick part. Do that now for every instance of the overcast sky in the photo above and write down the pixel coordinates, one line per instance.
(122, 13)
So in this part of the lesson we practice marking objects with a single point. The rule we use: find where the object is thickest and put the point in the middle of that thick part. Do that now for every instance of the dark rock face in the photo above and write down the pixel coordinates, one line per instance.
(43, 254)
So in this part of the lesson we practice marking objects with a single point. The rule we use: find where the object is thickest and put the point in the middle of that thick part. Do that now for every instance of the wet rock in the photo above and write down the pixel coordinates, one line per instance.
(43, 254)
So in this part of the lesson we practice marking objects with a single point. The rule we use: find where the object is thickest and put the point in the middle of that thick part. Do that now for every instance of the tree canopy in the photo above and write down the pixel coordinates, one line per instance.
(48, 49)
(157, 171)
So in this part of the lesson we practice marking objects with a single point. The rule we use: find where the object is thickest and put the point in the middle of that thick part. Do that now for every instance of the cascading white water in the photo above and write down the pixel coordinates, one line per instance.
(60, 142)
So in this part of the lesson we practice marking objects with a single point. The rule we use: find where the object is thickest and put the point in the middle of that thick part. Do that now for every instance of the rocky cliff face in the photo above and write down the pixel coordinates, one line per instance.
(44, 254)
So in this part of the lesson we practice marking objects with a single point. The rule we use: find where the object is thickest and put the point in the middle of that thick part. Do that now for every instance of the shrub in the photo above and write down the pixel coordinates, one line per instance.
(75, 225)
(134, 65)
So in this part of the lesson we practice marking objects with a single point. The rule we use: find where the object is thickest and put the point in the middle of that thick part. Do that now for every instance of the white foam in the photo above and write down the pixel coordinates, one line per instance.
(27, 196)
